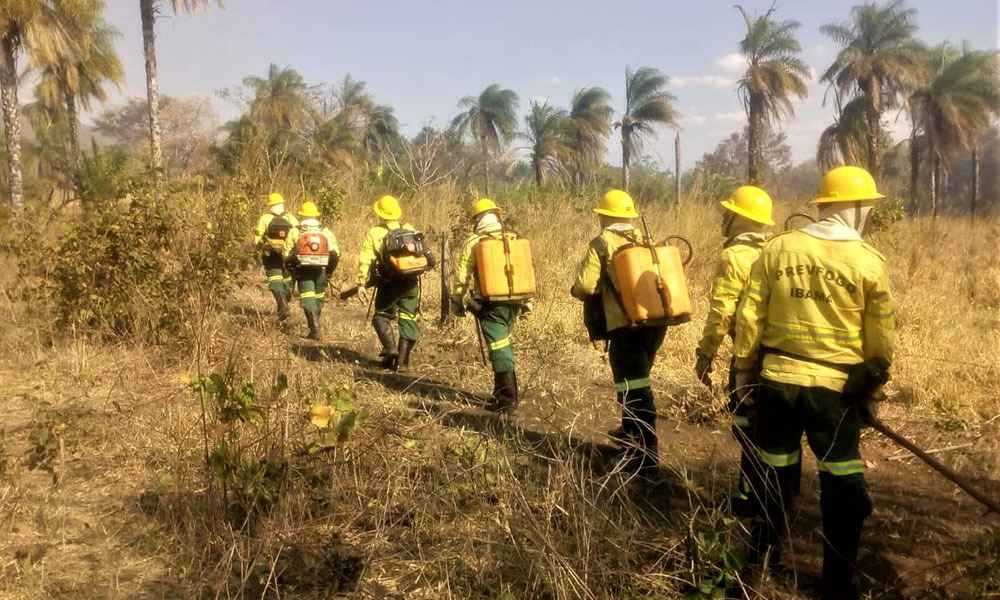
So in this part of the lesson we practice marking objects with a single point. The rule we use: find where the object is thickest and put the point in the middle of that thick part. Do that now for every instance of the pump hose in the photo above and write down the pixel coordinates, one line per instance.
(690, 249)
(798, 215)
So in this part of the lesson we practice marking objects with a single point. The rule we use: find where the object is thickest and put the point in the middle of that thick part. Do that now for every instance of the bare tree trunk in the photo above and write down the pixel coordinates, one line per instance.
(914, 173)
(753, 144)
(538, 172)
(935, 183)
(73, 115)
(12, 124)
(486, 164)
(677, 168)
(148, 13)
(626, 154)
(874, 92)
(975, 183)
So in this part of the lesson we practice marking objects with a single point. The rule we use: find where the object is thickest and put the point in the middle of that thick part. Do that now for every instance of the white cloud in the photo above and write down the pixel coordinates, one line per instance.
(732, 62)
(720, 118)
(718, 81)
(555, 80)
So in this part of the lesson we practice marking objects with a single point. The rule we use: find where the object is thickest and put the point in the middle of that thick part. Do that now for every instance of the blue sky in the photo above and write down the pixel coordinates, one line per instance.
(422, 56)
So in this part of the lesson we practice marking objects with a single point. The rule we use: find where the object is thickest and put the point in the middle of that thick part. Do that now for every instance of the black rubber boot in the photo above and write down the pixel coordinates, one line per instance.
(383, 329)
(504, 392)
(405, 347)
(282, 305)
(312, 320)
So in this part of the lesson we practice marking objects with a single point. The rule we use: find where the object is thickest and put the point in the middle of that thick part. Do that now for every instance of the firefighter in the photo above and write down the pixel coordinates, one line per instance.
(631, 350)
(494, 319)
(745, 225)
(816, 306)
(269, 238)
(396, 297)
(311, 255)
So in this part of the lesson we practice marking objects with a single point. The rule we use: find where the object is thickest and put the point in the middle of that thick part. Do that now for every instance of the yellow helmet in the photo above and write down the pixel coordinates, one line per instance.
(483, 205)
(751, 202)
(309, 210)
(617, 203)
(847, 184)
(387, 208)
(274, 199)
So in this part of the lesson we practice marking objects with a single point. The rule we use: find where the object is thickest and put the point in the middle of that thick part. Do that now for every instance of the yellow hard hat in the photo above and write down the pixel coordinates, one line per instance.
(617, 203)
(309, 210)
(483, 205)
(387, 208)
(275, 198)
(847, 184)
(752, 203)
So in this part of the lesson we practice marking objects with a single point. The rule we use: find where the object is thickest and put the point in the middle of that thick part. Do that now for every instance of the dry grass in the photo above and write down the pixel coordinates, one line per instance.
(431, 497)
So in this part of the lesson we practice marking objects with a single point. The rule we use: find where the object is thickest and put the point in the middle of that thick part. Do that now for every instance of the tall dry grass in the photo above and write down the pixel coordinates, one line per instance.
(427, 498)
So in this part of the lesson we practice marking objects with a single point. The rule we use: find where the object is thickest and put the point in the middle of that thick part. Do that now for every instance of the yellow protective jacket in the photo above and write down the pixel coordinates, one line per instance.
(265, 220)
(372, 247)
(293, 237)
(466, 269)
(815, 301)
(588, 274)
(731, 275)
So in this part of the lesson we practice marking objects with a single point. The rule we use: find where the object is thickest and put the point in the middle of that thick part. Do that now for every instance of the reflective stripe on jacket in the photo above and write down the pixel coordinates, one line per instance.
(808, 297)
(731, 275)
(465, 270)
(371, 248)
(588, 274)
(265, 220)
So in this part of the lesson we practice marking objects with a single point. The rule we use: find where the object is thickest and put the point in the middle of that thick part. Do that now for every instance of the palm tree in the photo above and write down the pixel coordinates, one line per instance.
(381, 131)
(844, 142)
(587, 128)
(491, 119)
(774, 74)
(31, 27)
(956, 106)
(74, 81)
(879, 59)
(545, 128)
(280, 101)
(149, 10)
(647, 103)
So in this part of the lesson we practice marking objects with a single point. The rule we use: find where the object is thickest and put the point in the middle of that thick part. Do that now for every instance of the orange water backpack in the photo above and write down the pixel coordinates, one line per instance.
(313, 249)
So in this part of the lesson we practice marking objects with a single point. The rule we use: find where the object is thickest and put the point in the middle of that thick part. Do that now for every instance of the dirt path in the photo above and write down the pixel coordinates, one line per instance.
(81, 539)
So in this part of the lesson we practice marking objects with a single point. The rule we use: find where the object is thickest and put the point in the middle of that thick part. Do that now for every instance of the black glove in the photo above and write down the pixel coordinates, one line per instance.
(474, 306)
(332, 265)
(864, 382)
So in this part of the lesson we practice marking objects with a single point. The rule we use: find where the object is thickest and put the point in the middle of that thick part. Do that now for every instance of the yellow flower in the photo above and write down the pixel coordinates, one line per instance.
(319, 415)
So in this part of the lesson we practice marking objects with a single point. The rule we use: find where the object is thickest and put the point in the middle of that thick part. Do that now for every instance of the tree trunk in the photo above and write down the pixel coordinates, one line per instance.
(975, 183)
(538, 171)
(677, 168)
(755, 125)
(12, 126)
(73, 115)
(914, 173)
(935, 183)
(626, 154)
(486, 164)
(148, 13)
(875, 128)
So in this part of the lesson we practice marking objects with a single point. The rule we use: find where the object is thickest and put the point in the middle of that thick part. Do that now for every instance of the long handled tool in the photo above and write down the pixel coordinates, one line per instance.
(933, 463)
(481, 336)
